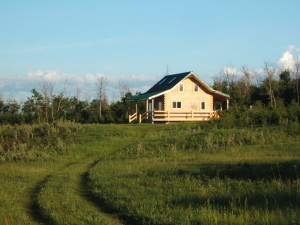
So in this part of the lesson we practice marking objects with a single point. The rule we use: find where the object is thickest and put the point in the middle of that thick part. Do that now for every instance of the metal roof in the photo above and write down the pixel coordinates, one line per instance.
(144, 96)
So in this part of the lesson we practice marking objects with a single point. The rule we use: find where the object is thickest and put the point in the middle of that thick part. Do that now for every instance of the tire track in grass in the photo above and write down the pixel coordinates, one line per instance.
(64, 197)
(99, 202)
(87, 194)
(59, 199)
(35, 210)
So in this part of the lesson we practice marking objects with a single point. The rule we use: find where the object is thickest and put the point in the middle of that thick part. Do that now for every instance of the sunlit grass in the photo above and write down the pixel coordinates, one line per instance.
(17, 181)
(187, 173)
(167, 183)
(62, 196)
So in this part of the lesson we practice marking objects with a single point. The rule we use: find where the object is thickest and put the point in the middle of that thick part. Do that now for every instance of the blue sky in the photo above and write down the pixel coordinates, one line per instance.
(132, 42)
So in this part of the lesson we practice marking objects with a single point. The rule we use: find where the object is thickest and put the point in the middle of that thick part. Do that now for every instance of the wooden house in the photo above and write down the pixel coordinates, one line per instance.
(180, 97)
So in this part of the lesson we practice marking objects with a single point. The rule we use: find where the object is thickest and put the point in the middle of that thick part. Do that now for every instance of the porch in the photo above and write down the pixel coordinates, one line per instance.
(172, 116)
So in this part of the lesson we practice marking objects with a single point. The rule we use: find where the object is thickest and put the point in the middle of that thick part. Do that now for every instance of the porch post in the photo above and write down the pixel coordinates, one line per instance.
(227, 102)
(136, 108)
(152, 105)
(147, 111)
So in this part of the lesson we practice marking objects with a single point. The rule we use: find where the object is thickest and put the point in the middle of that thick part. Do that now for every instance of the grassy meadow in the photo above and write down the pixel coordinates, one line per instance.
(185, 173)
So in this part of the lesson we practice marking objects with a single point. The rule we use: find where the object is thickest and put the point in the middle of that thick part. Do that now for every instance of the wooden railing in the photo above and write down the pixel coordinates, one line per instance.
(143, 116)
(184, 116)
(168, 116)
(132, 117)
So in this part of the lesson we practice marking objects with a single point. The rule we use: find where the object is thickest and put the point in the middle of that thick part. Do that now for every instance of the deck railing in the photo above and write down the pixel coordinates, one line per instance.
(132, 117)
(169, 116)
(143, 116)
(183, 116)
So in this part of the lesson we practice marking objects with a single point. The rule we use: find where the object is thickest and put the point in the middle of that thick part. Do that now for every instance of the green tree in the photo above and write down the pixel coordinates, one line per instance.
(285, 87)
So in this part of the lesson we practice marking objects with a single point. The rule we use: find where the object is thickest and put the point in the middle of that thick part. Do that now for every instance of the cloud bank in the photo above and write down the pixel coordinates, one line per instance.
(19, 87)
(229, 70)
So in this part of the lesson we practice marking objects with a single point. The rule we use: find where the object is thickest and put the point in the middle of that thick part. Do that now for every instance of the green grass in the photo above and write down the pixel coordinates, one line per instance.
(162, 182)
(25, 183)
(17, 181)
(65, 197)
(191, 173)
(62, 199)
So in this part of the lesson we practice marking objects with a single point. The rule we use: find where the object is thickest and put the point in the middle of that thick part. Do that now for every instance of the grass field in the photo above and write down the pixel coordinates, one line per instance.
(192, 173)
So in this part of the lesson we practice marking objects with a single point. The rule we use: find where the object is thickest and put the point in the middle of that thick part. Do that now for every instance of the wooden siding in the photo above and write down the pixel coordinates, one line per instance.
(190, 100)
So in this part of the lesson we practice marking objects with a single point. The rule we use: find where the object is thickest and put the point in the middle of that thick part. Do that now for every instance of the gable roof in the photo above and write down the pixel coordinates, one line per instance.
(167, 83)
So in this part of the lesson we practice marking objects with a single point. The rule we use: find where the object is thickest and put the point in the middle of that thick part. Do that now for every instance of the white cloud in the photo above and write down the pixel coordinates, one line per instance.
(229, 70)
(287, 59)
(89, 78)
(50, 75)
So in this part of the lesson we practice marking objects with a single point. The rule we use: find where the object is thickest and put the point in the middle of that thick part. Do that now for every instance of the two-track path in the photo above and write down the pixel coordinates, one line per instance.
(64, 197)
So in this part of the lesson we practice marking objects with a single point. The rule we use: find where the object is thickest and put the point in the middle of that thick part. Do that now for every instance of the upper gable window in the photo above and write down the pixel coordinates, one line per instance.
(196, 88)
(162, 81)
(181, 88)
(172, 80)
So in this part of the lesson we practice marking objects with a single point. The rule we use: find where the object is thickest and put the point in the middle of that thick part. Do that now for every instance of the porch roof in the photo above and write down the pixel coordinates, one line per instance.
(145, 96)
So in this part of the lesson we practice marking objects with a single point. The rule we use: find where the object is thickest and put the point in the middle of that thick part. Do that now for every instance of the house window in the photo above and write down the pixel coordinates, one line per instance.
(203, 105)
(196, 88)
(181, 88)
(176, 105)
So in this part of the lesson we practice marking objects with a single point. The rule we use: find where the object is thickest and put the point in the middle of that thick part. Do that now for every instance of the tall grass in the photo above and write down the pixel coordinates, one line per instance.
(20, 142)
(206, 138)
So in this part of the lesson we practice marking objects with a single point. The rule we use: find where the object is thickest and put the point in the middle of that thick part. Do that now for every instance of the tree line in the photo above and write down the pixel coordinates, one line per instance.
(45, 106)
(271, 89)
(272, 86)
